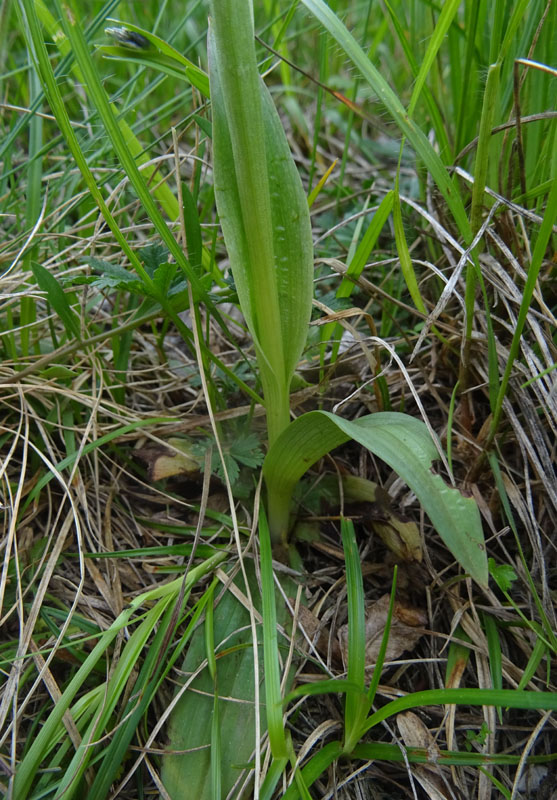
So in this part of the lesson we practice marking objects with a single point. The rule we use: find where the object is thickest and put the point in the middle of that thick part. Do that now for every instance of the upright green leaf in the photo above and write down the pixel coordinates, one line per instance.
(262, 206)
(57, 299)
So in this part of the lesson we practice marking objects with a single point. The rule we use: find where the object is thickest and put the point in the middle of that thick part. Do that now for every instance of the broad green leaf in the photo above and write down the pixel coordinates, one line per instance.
(188, 776)
(405, 444)
(262, 207)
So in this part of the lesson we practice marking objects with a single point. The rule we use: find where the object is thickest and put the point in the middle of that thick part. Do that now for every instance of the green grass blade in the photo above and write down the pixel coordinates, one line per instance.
(146, 687)
(356, 705)
(316, 767)
(434, 112)
(359, 260)
(420, 755)
(404, 254)
(43, 742)
(378, 669)
(184, 67)
(57, 299)
(107, 702)
(510, 698)
(96, 92)
(273, 697)
(495, 655)
(54, 97)
(415, 136)
(538, 255)
(538, 652)
(272, 777)
(490, 101)
(448, 11)
(162, 192)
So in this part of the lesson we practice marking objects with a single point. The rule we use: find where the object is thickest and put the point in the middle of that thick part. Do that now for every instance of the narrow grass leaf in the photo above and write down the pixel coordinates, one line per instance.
(273, 697)
(161, 190)
(315, 192)
(41, 60)
(436, 118)
(97, 94)
(539, 651)
(546, 701)
(384, 642)
(194, 74)
(366, 245)
(44, 740)
(57, 299)
(317, 765)
(356, 704)
(551, 638)
(490, 102)
(495, 655)
(272, 777)
(404, 254)
(147, 687)
(448, 11)
(415, 136)
(114, 689)
(416, 755)
(538, 256)
(358, 261)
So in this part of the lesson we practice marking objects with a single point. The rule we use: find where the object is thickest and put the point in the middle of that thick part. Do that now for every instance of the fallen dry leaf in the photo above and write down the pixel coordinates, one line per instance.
(167, 462)
(403, 635)
(316, 633)
(401, 536)
(415, 734)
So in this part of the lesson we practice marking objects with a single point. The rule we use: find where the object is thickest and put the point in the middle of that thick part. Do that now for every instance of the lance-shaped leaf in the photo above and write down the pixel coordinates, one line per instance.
(405, 444)
(262, 206)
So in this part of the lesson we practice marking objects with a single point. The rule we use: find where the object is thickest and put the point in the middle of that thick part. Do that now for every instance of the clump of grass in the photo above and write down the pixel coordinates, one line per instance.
(122, 354)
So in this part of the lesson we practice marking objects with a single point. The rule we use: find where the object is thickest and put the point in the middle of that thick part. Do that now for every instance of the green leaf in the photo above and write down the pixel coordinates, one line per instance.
(406, 445)
(57, 299)
(115, 277)
(153, 256)
(503, 575)
(163, 276)
(398, 113)
(45, 740)
(188, 776)
(262, 207)
(167, 58)
(247, 450)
